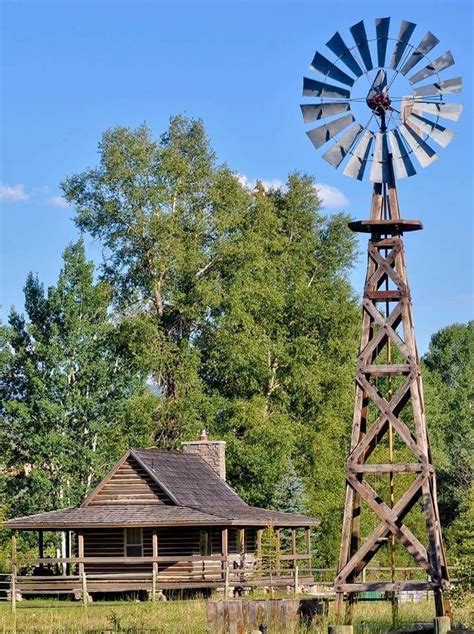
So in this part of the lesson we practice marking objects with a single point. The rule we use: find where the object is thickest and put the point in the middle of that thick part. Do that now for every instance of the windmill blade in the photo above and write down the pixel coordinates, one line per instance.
(423, 152)
(380, 172)
(314, 88)
(381, 28)
(434, 131)
(361, 40)
(404, 35)
(450, 111)
(356, 165)
(320, 136)
(440, 88)
(402, 164)
(423, 48)
(337, 152)
(443, 61)
(337, 45)
(313, 112)
(324, 66)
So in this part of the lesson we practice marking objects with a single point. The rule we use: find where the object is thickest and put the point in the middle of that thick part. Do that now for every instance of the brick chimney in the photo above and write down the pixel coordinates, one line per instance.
(212, 451)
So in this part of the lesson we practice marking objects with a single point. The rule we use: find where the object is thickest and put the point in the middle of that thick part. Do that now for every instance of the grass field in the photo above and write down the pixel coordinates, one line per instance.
(185, 617)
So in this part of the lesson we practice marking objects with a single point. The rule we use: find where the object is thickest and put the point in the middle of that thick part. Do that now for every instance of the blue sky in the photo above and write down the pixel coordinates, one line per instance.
(73, 69)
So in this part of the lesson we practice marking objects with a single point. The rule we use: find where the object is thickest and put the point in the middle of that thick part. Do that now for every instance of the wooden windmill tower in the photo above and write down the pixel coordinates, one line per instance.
(389, 471)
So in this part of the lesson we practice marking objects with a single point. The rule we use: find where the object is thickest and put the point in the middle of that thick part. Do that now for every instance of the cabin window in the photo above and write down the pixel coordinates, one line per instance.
(133, 542)
(205, 543)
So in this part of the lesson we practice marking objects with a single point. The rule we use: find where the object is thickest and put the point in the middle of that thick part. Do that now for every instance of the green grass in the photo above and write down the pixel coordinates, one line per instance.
(185, 617)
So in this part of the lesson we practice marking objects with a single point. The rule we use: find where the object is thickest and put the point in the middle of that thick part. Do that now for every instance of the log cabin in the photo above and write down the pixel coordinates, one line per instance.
(165, 520)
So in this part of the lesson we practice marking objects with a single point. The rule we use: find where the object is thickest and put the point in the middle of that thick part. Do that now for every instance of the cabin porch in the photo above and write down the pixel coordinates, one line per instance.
(116, 559)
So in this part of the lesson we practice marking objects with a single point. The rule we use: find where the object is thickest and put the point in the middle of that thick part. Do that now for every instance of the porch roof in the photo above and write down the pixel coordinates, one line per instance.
(117, 515)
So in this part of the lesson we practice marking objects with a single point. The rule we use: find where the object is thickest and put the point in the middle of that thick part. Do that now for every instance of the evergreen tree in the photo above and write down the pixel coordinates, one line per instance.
(66, 391)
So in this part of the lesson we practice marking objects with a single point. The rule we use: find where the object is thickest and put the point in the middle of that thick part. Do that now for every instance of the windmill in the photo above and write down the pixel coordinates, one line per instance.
(396, 86)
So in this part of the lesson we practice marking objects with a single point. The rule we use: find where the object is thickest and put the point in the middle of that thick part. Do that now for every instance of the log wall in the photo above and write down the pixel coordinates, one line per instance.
(130, 484)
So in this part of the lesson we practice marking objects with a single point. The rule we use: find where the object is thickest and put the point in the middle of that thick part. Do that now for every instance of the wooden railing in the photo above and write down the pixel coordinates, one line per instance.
(215, 571)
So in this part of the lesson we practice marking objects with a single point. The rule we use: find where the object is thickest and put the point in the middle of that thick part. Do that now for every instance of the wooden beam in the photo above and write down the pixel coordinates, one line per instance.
(307, 532)
(293, 543)
(80, 550)
(397, 586)
(259, 543)
(225, 559)
(41, 544)
(416, 467)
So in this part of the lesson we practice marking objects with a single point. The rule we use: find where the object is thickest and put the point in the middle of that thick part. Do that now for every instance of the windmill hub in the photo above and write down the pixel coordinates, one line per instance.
(379, 102)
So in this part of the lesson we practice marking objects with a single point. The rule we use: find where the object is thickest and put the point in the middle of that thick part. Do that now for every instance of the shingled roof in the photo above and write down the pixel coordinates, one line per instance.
(188, 479)
(196, 495)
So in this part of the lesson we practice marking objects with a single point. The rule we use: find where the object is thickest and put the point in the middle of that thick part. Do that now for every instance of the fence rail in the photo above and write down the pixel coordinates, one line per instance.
(215, 571)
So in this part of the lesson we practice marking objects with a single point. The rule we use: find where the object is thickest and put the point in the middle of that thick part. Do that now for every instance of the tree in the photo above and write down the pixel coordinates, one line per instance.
(159, 208)
(448, 373)
(237, 302)
(66, 391)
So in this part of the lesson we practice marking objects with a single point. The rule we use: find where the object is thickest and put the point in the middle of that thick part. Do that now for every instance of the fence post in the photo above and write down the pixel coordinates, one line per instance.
(296, 571)
(153, 583)
(84, 589)
(154, 541)
(13, 577)
(226, 581)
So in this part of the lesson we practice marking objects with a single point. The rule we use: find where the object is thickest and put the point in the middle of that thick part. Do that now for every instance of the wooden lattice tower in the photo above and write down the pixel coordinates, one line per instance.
(388, 350)
(389, 435)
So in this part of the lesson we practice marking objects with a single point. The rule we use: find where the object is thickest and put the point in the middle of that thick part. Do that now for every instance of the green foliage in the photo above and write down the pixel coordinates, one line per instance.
(448, 374)
(236, 303)
(64, 391)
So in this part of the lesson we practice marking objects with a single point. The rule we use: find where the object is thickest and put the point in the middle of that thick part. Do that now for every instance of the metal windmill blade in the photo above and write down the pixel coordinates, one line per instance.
(434, 131)
(423, 48)
(422, 151)
(337, 45)
(402, 164)
(404, 35)
(329, 69)
(337, 152)
(320, 136)
(314, 88)
(441, 63)
(356, 165)
(382, 26)
(380, 171)
(360, 38)
(450, 111)
(313, 112)
(440, 88)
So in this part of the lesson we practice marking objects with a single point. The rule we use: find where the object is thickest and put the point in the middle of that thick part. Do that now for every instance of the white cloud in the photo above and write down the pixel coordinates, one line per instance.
(331, 197)
(250, 183)
(58, 201)
(13, 193)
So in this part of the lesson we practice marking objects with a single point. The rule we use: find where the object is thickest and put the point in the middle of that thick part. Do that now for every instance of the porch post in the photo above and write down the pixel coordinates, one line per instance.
(308, 546)
(13, 576)
(277, 548)
(68, 552)
(80, 550)
(242, 546)
(259, 543)
(154, 541)
(41, 547)
(293, 545)
(225, 559)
